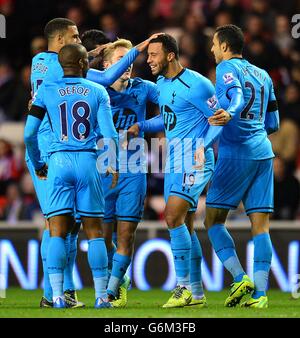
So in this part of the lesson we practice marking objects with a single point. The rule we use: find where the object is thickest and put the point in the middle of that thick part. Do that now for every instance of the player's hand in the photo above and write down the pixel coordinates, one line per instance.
(115, 176)
(95, 52)
(131, 132)
(143, 45)
(199, 158)
(220, 118)
(43, 172)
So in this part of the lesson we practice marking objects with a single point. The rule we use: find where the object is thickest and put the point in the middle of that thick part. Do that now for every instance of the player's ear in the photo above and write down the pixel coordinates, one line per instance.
(171, 56)
(81, 63)
(60, 39)
(224, 47)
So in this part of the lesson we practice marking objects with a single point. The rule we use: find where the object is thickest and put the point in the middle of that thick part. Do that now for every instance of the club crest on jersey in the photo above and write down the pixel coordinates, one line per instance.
(228, 78)
(212, 102)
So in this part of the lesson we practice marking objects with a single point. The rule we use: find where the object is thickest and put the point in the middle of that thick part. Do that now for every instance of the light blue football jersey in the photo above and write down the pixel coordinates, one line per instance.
(245, 137)
(45, 67)
(75, 107)
(129, 107)
(186, 101)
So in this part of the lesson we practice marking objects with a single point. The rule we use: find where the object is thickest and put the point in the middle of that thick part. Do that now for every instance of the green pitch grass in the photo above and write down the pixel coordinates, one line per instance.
(25, 304)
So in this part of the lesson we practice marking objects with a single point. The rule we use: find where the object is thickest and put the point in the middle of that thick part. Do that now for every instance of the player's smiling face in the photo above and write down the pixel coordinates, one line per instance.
(157, 58)
(216, 49)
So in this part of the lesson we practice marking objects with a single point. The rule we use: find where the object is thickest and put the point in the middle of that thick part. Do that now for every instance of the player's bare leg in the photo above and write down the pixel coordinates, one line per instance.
(224, 247)
(262, 259)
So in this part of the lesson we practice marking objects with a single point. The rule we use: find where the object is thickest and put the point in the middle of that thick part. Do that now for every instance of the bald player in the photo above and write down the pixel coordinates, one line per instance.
(76, 107)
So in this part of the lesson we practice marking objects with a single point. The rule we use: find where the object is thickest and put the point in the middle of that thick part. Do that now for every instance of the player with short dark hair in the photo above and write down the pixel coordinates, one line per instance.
(93, 38)
(76, 108)
(244, 170)
(186, 101)
(45, 67)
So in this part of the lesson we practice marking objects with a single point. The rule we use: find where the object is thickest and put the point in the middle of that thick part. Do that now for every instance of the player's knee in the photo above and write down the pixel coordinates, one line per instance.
(172, 219)
(214, 216)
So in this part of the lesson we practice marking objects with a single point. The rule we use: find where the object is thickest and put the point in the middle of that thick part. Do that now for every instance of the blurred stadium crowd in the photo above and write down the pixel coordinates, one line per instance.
(269, 44)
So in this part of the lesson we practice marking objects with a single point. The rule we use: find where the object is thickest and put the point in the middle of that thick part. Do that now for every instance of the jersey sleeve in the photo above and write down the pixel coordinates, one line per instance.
(38, 97)
(226, 77)
(272, 113)
(154, 125)
(110, 75)
(106, 125)
(237, 102)
(203, 97)
(31, 142)
(152, 92)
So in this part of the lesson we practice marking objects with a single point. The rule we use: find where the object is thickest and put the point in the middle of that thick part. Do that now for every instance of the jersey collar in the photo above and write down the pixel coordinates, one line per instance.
(178, 75)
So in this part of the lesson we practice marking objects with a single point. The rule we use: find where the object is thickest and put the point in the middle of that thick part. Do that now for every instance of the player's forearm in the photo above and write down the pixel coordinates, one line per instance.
(272, 122)
(111, 74)
(212, 135)
(237, 101)
(154, 125)
(31, 141)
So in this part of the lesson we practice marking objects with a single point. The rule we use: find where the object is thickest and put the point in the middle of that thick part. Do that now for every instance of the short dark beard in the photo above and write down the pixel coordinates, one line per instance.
(164, 69)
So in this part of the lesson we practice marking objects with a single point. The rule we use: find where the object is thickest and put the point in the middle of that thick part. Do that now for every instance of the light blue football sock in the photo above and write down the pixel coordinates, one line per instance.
(262, 263)
(97, 258)
(71, 257)
(195, 269)
(44, 252)
(119, 268)
(56, 262)
(224, 247)
(181, 248)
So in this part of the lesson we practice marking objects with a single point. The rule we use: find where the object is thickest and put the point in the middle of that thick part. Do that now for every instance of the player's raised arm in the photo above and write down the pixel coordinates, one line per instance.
(110, 75)
(272, 113)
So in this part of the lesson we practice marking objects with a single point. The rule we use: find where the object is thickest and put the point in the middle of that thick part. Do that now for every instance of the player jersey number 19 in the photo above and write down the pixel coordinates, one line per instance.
(80, 122)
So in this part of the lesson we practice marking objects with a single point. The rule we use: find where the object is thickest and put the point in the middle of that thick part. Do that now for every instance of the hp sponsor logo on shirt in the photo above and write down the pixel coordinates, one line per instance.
(2, 26)
(228, 78)
(169, 118)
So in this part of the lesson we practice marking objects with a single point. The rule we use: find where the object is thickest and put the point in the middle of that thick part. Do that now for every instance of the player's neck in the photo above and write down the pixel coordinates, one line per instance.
(174, 69)
(72, 73)
(52, 47)
(232, 56)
